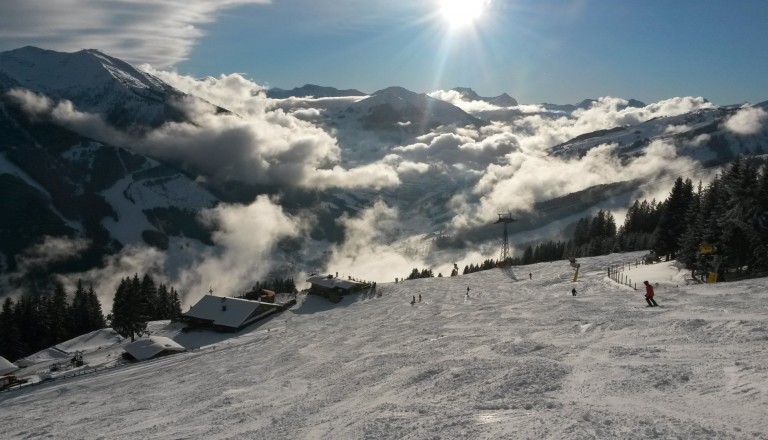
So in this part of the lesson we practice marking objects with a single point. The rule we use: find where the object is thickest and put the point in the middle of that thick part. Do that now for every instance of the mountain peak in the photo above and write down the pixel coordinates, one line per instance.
(93, 81)
(312, 90)
(503, 100)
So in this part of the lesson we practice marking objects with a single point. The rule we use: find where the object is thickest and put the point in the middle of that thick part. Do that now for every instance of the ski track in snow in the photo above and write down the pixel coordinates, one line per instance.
(516, 360)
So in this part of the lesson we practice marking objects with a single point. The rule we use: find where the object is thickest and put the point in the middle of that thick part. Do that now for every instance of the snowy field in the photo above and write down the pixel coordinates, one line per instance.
(517, 360)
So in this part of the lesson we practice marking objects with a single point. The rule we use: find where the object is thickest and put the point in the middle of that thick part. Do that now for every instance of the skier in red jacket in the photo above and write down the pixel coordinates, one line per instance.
(649, 294)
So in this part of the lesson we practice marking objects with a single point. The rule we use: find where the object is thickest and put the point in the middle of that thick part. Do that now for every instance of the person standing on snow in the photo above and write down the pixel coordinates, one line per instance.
(573, 291)
(649, 295)
(467, 291)
(413, 301)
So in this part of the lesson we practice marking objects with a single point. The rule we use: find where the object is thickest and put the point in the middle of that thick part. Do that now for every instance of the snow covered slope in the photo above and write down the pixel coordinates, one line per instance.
(520, 359)
(93, 81)
(701, 135)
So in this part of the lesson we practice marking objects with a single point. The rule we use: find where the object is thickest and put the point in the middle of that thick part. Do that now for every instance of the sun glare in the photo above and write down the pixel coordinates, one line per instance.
(462, 13)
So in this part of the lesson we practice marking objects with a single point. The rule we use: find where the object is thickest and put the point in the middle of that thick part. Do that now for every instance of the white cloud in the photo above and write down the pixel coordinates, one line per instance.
(244, 251)
(367, 251)
(453, 148)
(162, 33)
(50, 250)
(748, 120)
(255, 144)
(455, 98)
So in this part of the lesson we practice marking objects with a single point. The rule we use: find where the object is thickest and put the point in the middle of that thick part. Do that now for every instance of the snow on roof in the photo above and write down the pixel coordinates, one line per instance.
(224, 311)
(6, 366)
(147, 348)
(324, 281)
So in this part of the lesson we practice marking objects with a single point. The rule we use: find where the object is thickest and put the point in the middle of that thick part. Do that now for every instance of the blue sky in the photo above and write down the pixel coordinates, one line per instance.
(561, 51)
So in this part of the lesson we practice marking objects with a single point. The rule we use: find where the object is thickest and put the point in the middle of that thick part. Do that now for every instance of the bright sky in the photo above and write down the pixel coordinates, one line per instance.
(560, 51)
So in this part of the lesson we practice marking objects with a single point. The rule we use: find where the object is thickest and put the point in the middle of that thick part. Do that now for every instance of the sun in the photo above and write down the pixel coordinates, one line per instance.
(462, 13)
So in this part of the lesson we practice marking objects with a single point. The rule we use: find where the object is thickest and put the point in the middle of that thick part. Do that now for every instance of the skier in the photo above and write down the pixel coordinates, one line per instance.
(530, 276)
(573, 291)
(649, 294)
(413, 301)
(419, 297)
(467, 292)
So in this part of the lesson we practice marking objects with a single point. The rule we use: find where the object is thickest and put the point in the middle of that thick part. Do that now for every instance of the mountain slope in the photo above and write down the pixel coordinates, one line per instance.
(518, 359)
(503, 100)
(77, 188)
(94, 82)
(311, 90)
(701, 135)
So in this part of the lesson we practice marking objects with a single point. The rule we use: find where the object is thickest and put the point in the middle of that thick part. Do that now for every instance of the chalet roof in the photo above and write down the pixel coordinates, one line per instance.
(333, 282)
(6, 367)
(143, 349)
(224, 311)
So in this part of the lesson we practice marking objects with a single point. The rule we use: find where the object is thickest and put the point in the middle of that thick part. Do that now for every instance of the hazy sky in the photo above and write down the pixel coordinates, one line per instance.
(558, 51)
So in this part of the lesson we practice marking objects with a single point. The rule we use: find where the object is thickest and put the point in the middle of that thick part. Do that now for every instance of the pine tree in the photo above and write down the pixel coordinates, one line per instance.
(672, 225)
(78, 311)
(148, 298)
(128, 317)
(95, 313)
(693, 236)
(175, 308)
(163, 306)
(58, 315)
(11, 345)
(741, 245)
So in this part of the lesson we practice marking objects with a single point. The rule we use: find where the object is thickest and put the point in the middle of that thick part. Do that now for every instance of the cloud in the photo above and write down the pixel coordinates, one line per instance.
(527, 179)
(246, 237)
(748, 120)
(368, 250)
(49, 251)
(31, 103)
(376, 175)
(255, 143)
(64, 113)
(453, 148)
(455, 98)
(245, 250)
(162, 33)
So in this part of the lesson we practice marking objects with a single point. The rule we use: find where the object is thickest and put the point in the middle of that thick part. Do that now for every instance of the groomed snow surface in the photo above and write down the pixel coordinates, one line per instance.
(517, 360)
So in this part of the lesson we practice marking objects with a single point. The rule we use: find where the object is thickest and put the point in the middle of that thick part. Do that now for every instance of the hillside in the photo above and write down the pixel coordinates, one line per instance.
(518, 359)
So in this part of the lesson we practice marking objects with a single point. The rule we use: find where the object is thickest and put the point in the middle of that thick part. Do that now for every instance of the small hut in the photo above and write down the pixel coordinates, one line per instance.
(153, 346)
(333, 288)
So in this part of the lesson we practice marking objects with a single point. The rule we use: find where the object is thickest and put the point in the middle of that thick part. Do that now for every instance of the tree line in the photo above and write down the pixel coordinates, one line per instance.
(35, 322)
(730, 213)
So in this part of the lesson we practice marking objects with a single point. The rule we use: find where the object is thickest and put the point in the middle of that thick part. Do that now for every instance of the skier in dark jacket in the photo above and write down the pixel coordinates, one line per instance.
(573, 291)
(649, 294)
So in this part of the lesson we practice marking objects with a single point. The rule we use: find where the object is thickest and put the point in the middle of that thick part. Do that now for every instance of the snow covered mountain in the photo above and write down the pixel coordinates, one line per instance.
(60, 184)
(503, 100)
(701, 135)
(311, 90)
(110, 197)
(57, 183)
(94, 82)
